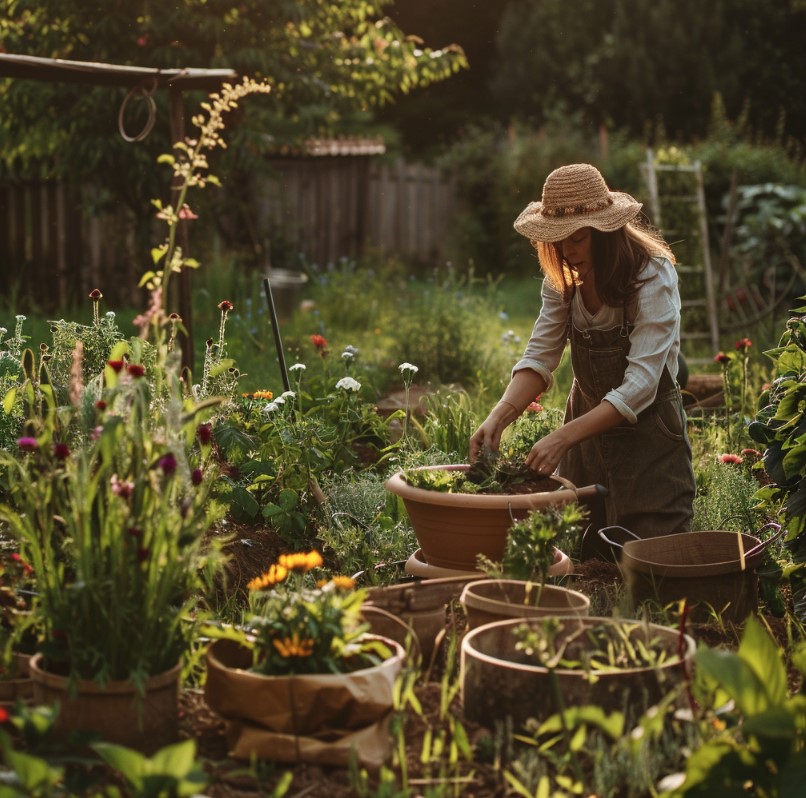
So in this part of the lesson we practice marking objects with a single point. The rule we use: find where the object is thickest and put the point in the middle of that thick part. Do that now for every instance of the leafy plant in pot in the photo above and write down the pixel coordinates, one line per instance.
(517, 586)
(299, 663)
(462, 519)
(113, 525)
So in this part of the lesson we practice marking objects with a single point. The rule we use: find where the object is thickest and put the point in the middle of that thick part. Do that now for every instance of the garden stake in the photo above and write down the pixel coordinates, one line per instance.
(278, 342)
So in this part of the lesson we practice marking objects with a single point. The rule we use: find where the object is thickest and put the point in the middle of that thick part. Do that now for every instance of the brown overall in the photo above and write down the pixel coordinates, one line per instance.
(646, 467)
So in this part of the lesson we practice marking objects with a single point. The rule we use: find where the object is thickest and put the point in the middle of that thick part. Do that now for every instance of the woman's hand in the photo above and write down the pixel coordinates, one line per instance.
(545, 455)
(488, 436)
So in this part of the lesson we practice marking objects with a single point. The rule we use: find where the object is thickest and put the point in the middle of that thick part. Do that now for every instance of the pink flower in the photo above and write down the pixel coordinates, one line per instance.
(743, 344)
(121, 488)
(27, 444)
(730, 459)
(186, 213)
(534, 407)
(722, 358)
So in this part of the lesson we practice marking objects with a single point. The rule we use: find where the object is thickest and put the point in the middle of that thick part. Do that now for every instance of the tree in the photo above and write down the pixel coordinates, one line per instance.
(329, 65)
(635, 65)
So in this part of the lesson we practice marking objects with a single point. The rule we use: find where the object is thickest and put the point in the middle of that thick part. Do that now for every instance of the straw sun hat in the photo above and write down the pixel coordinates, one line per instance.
(575, 196)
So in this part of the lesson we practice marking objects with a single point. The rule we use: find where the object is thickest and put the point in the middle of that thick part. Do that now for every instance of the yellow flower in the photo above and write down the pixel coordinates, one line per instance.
(277, 573)
(344, 582)
(300, 560)
(258, 395)
(293, 646)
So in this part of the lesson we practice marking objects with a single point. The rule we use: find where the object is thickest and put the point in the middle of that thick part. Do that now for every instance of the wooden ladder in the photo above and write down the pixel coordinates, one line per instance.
(676, 194)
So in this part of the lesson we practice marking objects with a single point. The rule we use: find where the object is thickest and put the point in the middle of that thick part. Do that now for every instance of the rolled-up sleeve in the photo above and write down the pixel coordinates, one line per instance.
(654, 340)
(547, 342)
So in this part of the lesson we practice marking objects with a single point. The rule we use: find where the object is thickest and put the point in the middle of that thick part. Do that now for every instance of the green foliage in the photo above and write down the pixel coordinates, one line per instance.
(726, 496)
(753, 730)
(173, 771)
(530, 545)
(112, 525)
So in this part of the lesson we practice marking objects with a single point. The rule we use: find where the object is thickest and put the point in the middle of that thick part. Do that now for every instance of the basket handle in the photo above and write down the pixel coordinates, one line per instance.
(779, 530)
(613, 542)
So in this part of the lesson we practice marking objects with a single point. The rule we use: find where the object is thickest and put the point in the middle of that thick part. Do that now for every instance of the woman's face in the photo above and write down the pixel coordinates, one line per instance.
(577, 251)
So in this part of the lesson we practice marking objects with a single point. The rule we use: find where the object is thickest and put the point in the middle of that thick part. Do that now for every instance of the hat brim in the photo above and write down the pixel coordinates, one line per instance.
(537, 227)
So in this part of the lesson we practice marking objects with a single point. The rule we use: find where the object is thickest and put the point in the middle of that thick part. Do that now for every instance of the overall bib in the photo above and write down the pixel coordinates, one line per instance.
(646, 467)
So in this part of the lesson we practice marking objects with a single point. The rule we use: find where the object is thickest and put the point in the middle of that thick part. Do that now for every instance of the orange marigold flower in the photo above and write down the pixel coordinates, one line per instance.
(300, 560)
(294, 647)
(276, 574)
(343, 582)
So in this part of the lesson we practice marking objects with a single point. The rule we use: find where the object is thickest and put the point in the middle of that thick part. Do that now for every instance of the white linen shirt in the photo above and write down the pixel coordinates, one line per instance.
(654, 340)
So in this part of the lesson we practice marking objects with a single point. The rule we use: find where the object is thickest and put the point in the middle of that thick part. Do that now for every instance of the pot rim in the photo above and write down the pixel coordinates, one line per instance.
(469, 652)
(577, 600)
(523, 501)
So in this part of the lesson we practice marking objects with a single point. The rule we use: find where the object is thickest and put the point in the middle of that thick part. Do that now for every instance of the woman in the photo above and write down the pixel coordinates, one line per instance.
(610, 288)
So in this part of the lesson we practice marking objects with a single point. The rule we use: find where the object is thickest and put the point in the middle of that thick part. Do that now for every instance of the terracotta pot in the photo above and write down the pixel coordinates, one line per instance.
(417, 566)
(113, 711)
(453, 528)
(490, 600)
(316, 718)
(420, 604)
(500, 683)
(19, 688)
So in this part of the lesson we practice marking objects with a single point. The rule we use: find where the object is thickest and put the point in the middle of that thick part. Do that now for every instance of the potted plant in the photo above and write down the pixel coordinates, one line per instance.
(456, 518)
(521, 669)
(113, 525)
(517, 587)
(299, 680)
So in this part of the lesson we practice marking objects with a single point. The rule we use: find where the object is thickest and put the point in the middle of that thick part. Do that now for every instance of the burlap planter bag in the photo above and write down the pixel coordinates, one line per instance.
(318, 718)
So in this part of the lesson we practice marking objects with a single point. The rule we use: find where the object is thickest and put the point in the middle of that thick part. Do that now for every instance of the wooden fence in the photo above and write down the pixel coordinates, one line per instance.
(54, 253)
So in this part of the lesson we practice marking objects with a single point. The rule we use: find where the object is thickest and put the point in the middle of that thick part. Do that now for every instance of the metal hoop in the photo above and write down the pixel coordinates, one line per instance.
(143, 91)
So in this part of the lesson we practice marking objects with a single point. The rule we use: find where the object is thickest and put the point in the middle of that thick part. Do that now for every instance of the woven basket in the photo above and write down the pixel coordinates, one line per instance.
(714, 570)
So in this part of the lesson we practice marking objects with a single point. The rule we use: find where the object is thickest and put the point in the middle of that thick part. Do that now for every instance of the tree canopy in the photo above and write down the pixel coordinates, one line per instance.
(328, 63)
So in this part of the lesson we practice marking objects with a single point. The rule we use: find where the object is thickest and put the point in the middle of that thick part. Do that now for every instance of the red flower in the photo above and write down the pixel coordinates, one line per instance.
(730, 459)
(136, 370)
(95, 295)
(142, 554)
(115, 365)
(754, 453)
(3, 715)
(197, 476)
(744, 344)
(100, 405)
(225, 306)
(61, 451)
(135, 532)
(204, 432)
(722, 358)
(534, 407)
(319, 341)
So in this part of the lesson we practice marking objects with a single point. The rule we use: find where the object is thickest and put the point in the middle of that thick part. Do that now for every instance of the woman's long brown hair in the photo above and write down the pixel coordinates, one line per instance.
(618, 258)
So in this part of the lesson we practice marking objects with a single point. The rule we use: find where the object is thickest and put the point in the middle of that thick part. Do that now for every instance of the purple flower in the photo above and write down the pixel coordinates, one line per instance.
(27, 444)
(168, 464)
(197, 476)
(61, 451)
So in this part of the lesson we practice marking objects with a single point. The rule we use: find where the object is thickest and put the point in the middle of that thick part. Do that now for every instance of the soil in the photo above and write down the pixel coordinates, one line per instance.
(252, 549)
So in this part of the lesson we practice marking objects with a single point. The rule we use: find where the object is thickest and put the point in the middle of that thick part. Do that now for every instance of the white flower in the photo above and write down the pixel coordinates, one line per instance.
(279, 400)
(503, 315)
(347, 355)
(349, 384)
(271, 407)
(297, 367)
(288, 395)
(408, 367)
(110, 314)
